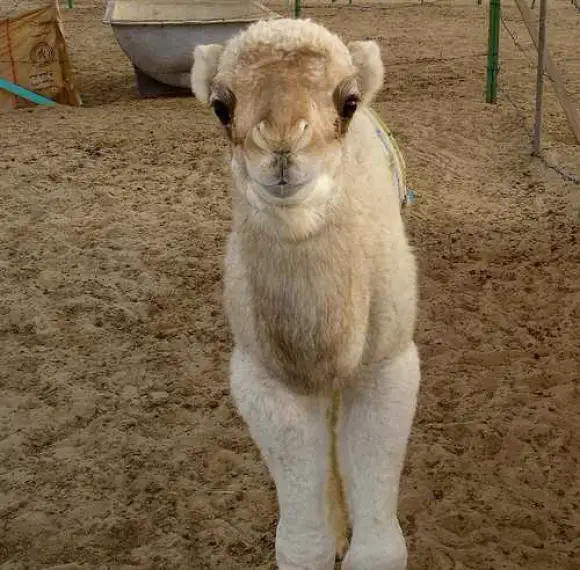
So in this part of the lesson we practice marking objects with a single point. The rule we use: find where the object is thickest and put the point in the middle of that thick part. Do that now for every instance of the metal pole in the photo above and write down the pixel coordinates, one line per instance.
(493, 51)
(540, 77)
(70, 3)
(297, 8)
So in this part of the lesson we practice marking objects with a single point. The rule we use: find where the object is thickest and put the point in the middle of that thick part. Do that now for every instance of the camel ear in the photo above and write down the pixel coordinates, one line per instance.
(205, 67)
(370, 72)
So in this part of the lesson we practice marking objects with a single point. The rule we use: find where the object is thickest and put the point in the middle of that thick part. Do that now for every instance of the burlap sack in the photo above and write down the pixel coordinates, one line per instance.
(33, 54)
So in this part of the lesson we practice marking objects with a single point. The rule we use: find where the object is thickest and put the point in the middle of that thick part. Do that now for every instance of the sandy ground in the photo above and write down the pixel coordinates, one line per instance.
(119, 444)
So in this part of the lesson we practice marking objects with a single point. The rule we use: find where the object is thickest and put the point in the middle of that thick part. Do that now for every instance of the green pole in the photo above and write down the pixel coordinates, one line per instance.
(70, 3)
(297, 8)
(493, 51)
(540, 78)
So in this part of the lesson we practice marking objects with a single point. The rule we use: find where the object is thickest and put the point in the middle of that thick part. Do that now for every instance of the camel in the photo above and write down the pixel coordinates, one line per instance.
(320, 287)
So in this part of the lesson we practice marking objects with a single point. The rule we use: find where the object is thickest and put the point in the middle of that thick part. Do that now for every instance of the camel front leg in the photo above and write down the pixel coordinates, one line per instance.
(374, 429)
(292, 434)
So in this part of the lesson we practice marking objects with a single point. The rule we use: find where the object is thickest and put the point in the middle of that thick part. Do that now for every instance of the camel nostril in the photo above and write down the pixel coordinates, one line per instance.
(304, 135)
(260, 136)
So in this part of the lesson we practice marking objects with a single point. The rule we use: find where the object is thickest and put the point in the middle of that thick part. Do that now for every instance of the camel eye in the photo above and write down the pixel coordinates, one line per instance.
(222, 112)
(349, 107)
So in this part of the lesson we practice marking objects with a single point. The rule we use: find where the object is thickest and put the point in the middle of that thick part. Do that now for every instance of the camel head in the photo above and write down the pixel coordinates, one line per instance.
(286, 92)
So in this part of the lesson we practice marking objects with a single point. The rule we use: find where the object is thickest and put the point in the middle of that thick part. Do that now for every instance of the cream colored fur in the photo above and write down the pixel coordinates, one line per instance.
(207, 58)
(320, 289)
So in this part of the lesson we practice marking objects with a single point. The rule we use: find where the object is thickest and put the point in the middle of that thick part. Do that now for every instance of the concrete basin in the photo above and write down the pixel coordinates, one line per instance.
(159, 36)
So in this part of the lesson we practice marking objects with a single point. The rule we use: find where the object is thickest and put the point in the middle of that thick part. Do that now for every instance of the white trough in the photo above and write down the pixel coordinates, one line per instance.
(159, 36)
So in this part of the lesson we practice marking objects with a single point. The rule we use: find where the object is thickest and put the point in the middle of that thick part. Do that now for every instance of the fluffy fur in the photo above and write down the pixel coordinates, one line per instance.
(203, 72)
(366, 58)
(320, 288)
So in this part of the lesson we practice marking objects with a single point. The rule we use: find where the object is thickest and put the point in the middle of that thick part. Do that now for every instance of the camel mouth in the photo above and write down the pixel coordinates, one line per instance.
(281, 193)
(282, 189)
(279, 182)
(310, 193)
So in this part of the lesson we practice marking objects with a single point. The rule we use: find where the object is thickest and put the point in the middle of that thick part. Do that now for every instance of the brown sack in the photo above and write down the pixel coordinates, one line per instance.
(33, 54)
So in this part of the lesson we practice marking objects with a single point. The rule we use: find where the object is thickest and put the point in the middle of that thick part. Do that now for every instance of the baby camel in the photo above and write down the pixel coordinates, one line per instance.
(320, 286)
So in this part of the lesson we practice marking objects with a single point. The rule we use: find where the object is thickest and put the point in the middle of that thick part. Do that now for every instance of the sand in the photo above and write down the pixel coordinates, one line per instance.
(119, 444)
